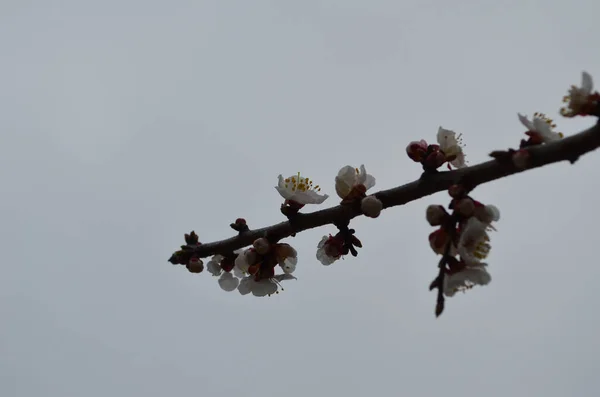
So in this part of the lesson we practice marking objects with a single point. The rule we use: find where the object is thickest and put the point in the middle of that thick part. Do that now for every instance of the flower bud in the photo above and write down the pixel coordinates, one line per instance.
(435, 215)
(438, 241)
(195, 265)
(371, 206)
(456, 191)
(261, 245)
(435, 160)
(465, 207)
(417, 150)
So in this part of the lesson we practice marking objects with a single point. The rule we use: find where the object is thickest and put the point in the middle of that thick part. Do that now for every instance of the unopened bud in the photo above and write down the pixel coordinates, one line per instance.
(371, 206)
(456, 191)
(438, 241)
(261, 245)
(521, 159)
(435, 160)
(465, 207)
(417, 150)
(253, 269)
(435, 215)
(195, 265)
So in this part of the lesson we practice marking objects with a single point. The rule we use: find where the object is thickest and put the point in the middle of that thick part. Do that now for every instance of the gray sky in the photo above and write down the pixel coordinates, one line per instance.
(125, 124)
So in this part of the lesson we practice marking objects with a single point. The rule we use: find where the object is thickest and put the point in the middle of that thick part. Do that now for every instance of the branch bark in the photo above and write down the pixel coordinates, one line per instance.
(567, 149)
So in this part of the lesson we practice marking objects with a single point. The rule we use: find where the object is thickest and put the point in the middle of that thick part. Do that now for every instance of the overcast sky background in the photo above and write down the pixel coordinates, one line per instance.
(124, 124)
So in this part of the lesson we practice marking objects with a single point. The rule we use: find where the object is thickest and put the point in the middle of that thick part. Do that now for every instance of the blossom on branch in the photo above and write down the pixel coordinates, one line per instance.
(214, 265)
(263, 287)
(254, 268)
(452, 146)
(330, 249)
(465, 279)
(448, 150)
(581, 101)
(540, 129)
(463, 241)
(351, 183)
(300, 190)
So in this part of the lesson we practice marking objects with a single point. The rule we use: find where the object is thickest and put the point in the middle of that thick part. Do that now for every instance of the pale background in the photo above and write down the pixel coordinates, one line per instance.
(124, 124)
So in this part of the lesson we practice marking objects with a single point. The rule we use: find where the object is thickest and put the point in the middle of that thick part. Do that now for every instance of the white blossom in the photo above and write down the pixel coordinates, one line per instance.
(349, 177)
(263, 287)
(214, 265)
(289, 265)
(465, 279)
(328, 250)
(244, 260)
(228, 282)
(473, 245)
(541, 127)
(300, 189)
(579, 98)
(452, 146)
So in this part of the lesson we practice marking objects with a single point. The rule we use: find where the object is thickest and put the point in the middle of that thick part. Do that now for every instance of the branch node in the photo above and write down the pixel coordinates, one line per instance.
(240, 226)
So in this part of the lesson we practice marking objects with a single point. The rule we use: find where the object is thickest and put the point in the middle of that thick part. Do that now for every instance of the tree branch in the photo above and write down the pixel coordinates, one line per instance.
(569, 149)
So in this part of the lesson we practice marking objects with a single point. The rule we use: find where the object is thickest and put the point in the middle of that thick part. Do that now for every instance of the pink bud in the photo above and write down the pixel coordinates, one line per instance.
(438, 241)
(435, 215)
(465, 207)
(417, 150)
(435, 160)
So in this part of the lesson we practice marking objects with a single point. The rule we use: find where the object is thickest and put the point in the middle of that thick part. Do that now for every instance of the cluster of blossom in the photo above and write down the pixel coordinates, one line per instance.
(581, 101)
(253, 270)
(463, 240)
(462, 237)
(448, 150)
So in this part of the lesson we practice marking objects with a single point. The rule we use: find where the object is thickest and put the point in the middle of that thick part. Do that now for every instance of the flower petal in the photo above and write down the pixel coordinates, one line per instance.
(369, 181)
(289, 265)
(465, 279)
(446, 138)
(493, 211)
(227, 282)
(525, 121)
(459, 161)
(263, 288)
(245, 286)
(285, 276)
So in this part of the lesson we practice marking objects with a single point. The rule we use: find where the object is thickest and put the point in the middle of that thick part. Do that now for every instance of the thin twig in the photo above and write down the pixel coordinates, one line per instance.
(567, 149)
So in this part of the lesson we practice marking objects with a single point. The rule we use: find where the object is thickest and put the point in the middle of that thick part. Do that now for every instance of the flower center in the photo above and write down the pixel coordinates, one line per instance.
(548, 121)
(482, 249)
(301, 184)
(576, 102)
